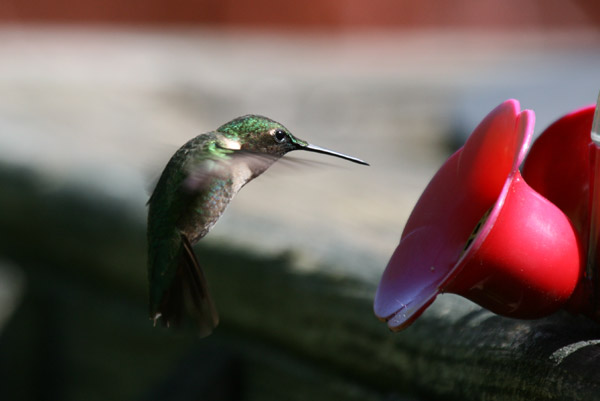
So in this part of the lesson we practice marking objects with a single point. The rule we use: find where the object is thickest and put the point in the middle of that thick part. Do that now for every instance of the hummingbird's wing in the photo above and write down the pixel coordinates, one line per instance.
(240, 166)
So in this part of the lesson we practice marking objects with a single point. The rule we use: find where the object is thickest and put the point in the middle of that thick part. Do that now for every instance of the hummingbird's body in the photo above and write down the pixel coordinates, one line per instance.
(193, 191)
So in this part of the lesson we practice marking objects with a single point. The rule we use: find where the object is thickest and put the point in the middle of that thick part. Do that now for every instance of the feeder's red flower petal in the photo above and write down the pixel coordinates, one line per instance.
(559, 167)
(480, 231)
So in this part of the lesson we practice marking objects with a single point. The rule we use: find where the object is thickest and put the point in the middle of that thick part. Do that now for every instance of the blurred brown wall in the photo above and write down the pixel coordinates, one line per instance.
(310, 13)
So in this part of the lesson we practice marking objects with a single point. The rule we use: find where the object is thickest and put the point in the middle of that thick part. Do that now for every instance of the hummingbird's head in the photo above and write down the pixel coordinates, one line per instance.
(261, 134)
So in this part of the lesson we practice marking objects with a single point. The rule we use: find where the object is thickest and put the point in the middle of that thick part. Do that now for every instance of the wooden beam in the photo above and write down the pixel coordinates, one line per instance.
(454, 351)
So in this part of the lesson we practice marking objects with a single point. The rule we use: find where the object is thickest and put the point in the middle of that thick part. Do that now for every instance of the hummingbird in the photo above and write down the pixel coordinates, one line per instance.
(192, 193)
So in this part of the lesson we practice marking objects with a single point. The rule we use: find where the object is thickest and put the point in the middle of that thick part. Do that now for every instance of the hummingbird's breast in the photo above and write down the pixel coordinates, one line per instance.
(210, 203)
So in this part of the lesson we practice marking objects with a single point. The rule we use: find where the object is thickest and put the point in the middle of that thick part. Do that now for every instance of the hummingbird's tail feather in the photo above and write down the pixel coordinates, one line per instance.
(188, 297)
(198, 287)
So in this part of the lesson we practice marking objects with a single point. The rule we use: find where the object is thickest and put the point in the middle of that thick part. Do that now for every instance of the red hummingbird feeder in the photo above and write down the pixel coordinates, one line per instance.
(481, 231)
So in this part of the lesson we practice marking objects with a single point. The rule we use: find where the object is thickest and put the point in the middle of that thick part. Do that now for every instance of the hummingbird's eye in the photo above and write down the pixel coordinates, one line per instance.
(280, 136)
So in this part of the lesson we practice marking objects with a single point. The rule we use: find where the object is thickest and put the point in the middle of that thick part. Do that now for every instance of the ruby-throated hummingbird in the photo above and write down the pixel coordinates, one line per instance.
(193, 191)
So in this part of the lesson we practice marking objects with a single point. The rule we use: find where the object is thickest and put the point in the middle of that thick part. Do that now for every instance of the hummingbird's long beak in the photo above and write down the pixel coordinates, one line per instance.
(318, 149)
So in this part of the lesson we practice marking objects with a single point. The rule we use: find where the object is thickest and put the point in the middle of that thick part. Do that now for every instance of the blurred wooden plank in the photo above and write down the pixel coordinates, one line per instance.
(454, 351)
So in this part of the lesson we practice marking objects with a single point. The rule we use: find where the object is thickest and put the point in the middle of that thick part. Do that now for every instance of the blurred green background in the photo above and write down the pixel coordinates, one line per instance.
(96, 96)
